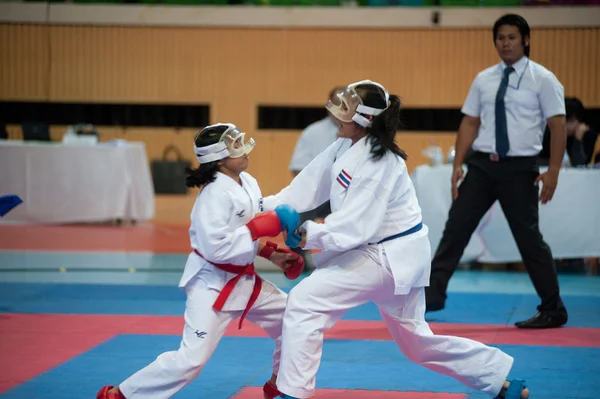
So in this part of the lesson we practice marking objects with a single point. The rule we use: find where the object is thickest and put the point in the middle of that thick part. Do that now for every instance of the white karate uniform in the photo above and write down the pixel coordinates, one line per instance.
(218, 232)
(370, 200)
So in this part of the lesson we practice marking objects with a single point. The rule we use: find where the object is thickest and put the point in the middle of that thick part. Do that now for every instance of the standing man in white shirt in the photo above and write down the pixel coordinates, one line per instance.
(505, 114)
(313, 141)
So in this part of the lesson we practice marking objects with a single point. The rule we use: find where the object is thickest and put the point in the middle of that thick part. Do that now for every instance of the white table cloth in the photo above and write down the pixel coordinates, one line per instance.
(570, 223)
(65, 183)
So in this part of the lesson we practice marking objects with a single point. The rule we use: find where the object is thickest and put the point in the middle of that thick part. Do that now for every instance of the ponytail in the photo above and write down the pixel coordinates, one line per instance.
(383, 131)
(202, 175)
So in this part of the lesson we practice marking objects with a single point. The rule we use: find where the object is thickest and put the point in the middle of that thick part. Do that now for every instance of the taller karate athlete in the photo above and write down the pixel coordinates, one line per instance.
(375, 249)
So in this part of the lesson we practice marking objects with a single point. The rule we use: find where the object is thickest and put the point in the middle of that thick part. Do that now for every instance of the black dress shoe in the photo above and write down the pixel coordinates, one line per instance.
(433, 302)
(434, 306)
(543, 320)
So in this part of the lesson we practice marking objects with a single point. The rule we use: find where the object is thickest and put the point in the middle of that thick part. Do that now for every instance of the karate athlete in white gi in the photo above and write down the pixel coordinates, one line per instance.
(224, 235)
(375, 249)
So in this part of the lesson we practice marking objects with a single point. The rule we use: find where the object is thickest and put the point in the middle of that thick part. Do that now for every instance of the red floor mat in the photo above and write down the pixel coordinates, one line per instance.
(32, 344)
(256, 393)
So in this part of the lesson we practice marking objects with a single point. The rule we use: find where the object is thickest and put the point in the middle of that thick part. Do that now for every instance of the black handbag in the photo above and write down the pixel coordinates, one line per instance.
(169, 176)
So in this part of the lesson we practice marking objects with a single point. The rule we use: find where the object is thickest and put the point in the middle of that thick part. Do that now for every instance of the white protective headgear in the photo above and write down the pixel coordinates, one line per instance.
(347, 106)
(231, 144)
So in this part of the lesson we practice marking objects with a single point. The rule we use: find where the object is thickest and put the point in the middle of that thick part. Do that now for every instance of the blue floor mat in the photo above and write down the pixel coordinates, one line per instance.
(469, 308)
(552, 372)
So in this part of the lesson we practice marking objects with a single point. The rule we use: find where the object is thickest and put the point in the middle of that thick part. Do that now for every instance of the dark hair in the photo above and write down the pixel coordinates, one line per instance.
(206, 172)
(385, 125)
(574, 108)
(519, 22)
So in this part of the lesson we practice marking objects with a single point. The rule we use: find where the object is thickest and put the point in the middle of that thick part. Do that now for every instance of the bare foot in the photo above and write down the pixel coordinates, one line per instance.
(116, 391)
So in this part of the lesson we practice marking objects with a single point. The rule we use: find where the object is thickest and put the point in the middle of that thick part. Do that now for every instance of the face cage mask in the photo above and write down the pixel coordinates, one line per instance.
(347, 106)
(231, 144)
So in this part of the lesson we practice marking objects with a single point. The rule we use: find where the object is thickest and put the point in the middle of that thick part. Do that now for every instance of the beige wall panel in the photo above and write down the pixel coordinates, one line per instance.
(234, 69)
(24, 62)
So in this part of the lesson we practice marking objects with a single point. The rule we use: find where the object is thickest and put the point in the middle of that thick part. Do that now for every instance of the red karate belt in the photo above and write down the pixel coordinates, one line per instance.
(240, 271)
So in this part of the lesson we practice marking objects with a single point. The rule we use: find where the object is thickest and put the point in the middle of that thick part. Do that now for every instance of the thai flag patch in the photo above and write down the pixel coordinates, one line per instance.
(344, 179)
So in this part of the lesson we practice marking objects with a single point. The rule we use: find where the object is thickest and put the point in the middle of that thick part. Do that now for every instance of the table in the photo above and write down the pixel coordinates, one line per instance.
(66, 183)
(570, 223)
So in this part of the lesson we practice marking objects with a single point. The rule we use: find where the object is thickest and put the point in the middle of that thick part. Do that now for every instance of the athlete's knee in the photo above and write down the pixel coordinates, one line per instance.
(298, 297)
(299, 309)
(274, 329)
(195, 358)
(411, 343)
(273, 325)
(189, 362)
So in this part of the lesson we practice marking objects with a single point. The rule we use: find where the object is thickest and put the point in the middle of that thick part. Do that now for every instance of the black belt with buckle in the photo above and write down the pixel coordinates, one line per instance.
(496, 158)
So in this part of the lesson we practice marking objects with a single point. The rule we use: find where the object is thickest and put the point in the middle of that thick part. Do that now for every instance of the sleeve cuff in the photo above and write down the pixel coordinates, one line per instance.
(313, 234)
(469, 112)
(269, 203)
(554, 113)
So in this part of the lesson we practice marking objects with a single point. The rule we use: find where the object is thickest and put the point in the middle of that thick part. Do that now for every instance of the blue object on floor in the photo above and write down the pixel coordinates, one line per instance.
(8, 202)
(514, 390)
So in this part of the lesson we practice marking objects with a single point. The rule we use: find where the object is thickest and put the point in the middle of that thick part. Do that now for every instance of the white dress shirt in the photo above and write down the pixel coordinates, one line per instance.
(533, 95)
(313, 141)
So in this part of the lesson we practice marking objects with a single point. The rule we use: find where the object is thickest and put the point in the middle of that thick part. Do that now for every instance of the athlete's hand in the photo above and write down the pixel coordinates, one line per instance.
(282, 259)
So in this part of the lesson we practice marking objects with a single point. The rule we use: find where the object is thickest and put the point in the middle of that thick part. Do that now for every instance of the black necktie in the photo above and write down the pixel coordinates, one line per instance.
(502, 144)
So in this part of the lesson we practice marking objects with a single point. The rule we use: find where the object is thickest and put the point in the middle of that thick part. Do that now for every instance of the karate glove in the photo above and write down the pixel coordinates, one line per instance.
(290, 222)
(293, 239)
(295, 267)
(271, 223)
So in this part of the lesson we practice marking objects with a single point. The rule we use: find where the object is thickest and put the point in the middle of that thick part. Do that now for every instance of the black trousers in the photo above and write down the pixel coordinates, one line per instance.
(511, 182)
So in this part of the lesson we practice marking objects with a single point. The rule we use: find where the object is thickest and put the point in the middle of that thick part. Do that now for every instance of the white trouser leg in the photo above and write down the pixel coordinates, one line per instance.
(472, 363)
(357, 277)
(314, 306)
(269, 315)
(172, 371)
